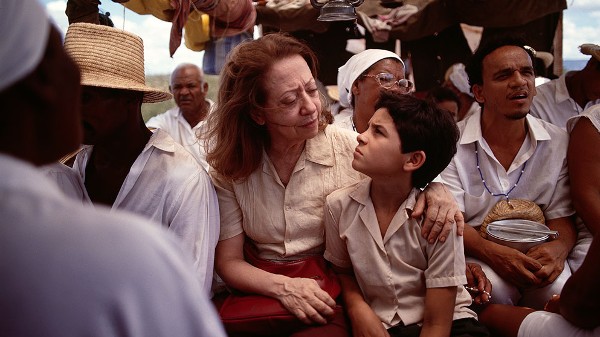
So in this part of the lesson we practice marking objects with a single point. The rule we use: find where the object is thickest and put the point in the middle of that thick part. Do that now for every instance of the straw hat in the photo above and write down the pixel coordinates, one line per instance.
(110, 58)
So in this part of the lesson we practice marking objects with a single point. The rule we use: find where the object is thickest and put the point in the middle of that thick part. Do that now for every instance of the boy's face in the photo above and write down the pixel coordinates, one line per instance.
(379, 150)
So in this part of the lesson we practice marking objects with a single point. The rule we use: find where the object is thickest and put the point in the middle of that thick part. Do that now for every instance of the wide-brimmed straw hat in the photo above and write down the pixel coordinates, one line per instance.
(110, 58)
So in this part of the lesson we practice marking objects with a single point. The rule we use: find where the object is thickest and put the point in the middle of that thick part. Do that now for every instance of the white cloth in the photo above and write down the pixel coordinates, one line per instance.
(355, 66)
(475, 107)
(71, 270)
(344, 119)
(25, 28)
(553, 103)
(457, 74)
(544, 181)
(547, 324)
(173, 122)
(394, 270)
(592, 113)
(165, 184)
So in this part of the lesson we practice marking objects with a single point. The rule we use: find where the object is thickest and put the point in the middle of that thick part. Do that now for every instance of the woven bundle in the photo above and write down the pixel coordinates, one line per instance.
(513, 209)
(110, 58)
(590, 49)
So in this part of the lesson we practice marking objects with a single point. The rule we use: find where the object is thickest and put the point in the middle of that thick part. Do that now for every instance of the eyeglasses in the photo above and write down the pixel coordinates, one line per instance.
(387, 81)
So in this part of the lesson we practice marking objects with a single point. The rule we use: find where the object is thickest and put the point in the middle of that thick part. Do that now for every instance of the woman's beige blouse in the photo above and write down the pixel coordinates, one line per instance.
(287, 222)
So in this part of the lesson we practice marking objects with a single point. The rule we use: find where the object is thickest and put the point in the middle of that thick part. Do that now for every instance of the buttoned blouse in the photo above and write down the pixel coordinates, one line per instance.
(553, 103)
(393, 270)
(544, 181)
(285, 222)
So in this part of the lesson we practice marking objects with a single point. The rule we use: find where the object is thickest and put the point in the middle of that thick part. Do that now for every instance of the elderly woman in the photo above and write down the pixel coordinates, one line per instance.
(361, 79)
(274, 160)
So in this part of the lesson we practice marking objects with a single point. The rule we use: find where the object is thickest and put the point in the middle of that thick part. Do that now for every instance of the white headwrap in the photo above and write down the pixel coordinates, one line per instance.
(356, 65)
(24, 27)
(458, 76)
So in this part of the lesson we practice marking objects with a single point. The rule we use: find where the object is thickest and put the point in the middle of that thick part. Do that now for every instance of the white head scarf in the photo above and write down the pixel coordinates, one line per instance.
(25, 29)
(356, 65)
(457, 74)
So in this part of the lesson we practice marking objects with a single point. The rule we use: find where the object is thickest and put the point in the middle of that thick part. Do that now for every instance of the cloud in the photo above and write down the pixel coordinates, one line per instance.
(575, 35)
(584, 4)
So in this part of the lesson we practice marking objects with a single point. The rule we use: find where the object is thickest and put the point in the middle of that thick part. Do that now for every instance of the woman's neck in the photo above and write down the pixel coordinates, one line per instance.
(284, 158)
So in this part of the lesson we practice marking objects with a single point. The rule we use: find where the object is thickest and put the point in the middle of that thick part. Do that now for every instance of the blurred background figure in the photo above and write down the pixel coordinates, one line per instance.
(457, 80)
(445, 99)
(186, 121)
(68, 269)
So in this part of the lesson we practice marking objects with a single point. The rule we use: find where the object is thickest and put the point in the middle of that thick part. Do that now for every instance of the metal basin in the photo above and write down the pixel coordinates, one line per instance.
(515, 239)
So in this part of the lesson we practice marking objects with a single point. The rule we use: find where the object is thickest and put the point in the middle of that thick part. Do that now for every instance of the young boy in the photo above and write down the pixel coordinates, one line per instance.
(394, 282)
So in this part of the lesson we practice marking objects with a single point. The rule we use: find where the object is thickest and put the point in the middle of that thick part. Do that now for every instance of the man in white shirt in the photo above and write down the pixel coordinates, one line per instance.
(126, 166)
(506, 154)
(567, 96)
(186, 121)
(67, 269)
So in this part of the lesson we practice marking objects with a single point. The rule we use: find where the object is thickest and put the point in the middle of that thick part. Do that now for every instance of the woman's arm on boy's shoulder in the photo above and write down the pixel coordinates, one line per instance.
(363, 319)
(439, 311)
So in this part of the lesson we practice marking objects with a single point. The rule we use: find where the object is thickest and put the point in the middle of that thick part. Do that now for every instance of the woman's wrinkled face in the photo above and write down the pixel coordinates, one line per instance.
(292, 105)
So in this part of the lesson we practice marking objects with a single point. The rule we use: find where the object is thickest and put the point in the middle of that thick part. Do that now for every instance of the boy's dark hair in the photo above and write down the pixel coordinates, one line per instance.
(441, 94)
(422, 126)
(475, 66)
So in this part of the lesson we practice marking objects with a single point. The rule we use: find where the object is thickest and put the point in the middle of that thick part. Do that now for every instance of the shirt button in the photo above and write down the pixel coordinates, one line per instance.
(287, 208)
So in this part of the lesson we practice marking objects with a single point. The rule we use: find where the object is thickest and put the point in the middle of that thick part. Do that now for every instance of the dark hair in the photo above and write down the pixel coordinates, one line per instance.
(441, 94)
(475, 66)
(422, 126)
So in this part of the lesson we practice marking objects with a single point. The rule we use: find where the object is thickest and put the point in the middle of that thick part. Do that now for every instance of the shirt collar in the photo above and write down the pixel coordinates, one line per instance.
(361, 194)
(472, 129)
(561, 93)
(161, 140)
(320, 150)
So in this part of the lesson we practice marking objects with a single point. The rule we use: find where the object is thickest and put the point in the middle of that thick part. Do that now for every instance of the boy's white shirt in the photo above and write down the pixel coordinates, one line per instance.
(390, 269)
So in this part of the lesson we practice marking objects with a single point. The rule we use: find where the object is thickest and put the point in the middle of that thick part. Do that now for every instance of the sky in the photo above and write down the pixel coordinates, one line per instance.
(581, 24)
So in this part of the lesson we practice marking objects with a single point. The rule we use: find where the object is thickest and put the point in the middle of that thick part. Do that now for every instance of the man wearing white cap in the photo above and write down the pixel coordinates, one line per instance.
(567, 96)
(361, 79)
(126, 166)
(68, 269)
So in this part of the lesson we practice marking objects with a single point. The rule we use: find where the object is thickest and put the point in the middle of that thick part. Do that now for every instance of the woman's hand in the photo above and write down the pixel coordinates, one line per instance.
(441, 213)
(478, 285)
(304, 298)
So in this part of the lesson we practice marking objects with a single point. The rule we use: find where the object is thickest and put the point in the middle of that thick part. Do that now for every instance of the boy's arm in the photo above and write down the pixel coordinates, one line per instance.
(439, 311)
(363, 319)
